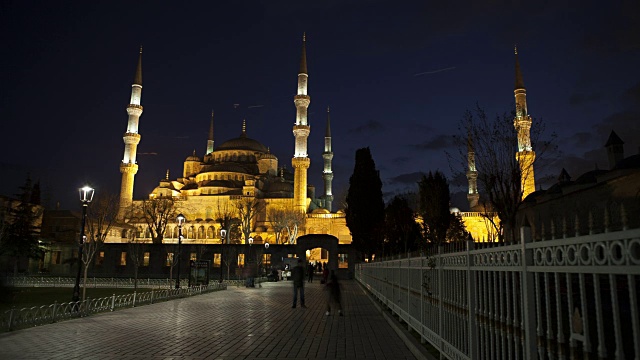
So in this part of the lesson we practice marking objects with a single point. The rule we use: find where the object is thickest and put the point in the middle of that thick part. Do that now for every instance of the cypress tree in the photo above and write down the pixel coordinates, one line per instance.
(365, 206)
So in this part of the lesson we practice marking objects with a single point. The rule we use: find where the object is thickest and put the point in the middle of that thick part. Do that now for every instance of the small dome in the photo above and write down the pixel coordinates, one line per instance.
(193, 157)
(279, 186)
(243, 143)
(320, 211)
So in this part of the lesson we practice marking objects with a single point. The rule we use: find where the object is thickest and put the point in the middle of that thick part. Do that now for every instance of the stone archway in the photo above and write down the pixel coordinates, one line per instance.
(312, 241)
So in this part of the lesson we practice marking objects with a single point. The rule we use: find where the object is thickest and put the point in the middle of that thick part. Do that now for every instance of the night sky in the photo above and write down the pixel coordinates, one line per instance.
(398, 77)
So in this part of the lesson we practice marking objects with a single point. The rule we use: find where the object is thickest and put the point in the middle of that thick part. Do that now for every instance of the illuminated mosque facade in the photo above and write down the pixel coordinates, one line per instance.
(239, 169)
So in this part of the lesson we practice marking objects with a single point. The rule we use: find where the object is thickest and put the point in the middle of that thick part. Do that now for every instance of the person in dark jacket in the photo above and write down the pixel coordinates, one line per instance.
(333, 295)
(297, 274)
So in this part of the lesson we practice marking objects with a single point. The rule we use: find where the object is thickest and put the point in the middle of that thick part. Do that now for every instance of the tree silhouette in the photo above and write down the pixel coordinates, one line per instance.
(365, 207)
(402, 233)
(433, 191)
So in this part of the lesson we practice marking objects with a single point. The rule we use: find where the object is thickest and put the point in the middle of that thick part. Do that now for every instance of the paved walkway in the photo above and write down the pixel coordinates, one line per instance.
(237, 323)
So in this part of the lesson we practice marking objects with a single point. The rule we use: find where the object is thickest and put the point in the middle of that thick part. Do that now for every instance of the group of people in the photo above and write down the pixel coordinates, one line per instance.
(332, 287)
(319, 267)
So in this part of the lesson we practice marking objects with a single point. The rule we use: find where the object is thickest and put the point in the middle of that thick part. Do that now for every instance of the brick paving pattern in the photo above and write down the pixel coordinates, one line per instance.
(237, 323)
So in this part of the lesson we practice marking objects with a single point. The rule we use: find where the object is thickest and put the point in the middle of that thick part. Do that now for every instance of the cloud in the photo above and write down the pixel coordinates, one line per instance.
(436, 143)
(409, 178)
(632, 95)
(369, 126)
(401, 159)
(579, 99)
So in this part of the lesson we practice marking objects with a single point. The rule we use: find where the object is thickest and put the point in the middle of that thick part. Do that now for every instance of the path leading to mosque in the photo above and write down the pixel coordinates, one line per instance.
(237, 323)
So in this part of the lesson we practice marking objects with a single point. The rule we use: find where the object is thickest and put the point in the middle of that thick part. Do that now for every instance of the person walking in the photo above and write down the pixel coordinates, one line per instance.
(333, 295)
(310, 269)
(297, 274)
(325, 275)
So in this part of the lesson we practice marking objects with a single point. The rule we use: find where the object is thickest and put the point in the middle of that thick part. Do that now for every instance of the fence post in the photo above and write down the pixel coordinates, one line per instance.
(472, 293)
(152, 295)
(134, 299)
(528, 295)
(11, 318)
(113, 302)
(55, 309)
(440, 307)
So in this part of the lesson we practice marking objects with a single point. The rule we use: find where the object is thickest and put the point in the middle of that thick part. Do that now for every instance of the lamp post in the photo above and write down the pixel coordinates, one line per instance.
(86, 195)
(181, 220)
(223, 234)
(251, 255)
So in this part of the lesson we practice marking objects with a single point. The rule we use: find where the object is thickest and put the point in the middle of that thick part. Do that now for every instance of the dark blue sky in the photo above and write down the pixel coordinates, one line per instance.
(66, 73)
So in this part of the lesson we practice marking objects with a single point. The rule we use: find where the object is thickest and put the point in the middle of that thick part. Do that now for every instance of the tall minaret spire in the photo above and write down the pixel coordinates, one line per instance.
(210, 138)
(472, 175)
(301, 130)
(131, 138)
(327, 173)
(522, 122)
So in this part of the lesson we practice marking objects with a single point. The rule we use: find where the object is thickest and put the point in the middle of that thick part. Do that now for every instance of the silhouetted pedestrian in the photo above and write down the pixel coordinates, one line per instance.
(297, 274)
(310, 271)
(333, 295)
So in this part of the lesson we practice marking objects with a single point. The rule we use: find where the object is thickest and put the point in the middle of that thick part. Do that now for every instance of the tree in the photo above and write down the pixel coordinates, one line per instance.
(226, 216)
(247, 209)
(157, 213)
(137, 247)
(500, 176)
(365, 207)
(171, 250)
(286, 223)
(294, 220)
(457, 231)
(101, 216)
(22, 232)
(433, 191)
(277, 218)
(402, 233)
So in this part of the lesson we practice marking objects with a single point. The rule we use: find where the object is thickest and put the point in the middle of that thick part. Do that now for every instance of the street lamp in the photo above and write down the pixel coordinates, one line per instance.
(249, 262)
(223, 234)
(181, 220)
(86, 195)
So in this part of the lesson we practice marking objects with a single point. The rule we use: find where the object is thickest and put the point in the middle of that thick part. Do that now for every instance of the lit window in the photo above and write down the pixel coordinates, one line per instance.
(145, 259)
(343, 261)
(216, 260)
(169, 260)
(240, 259)
(123, 258)
(193, 256)
(266, 260)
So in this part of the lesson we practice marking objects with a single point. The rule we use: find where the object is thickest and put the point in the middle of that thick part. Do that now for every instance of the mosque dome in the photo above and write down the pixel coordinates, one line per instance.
(193, 157)
(243, 143)
(280, 187)
(320, 211)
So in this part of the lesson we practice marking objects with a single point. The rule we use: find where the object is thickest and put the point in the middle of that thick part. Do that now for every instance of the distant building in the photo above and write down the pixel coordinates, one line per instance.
(597, 201)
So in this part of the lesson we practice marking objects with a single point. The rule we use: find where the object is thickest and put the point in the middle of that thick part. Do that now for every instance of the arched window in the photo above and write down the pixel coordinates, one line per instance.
(210, 232)
(201, 232)
(190, 233)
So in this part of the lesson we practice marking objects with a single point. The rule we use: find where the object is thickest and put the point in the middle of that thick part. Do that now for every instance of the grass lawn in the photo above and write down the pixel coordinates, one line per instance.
(22, 297)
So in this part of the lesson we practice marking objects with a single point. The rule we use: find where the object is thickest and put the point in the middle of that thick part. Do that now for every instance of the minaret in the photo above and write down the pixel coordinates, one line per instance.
(210, 139)
(472, 175)
(522, 122)
(131, 138)
(327, 174)
(301, 130)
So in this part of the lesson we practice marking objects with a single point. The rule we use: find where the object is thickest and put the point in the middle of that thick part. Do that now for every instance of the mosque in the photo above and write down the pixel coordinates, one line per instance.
(238, 170)
(475, 220)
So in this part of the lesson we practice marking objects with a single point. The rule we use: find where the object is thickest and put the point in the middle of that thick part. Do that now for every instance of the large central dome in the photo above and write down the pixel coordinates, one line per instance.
(243, 143)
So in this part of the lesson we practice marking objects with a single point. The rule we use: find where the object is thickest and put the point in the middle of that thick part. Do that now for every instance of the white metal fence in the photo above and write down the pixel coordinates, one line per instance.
(570, 298)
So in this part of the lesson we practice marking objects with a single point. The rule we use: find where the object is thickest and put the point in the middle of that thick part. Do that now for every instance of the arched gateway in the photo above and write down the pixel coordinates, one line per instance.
(312, 241)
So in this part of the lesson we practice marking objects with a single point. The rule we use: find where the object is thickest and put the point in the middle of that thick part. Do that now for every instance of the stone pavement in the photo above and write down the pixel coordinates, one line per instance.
(237, 323)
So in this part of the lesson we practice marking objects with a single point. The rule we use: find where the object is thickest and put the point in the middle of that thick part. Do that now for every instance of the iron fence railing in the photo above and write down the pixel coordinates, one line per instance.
(568, 298)
(39, 315)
